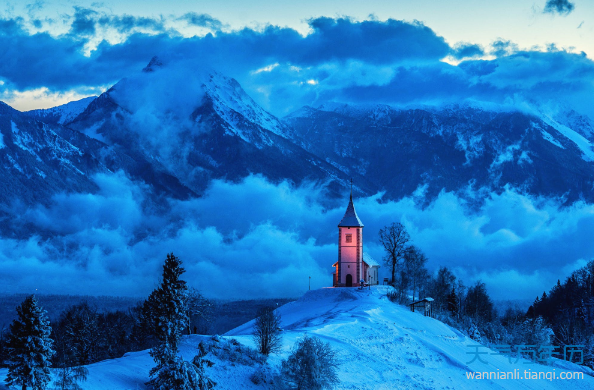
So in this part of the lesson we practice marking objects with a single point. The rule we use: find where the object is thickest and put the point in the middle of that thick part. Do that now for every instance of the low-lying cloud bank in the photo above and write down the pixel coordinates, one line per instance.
(257, 239)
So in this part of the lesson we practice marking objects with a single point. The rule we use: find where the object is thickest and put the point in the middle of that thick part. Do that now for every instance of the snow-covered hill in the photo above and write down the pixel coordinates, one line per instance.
(379, 345)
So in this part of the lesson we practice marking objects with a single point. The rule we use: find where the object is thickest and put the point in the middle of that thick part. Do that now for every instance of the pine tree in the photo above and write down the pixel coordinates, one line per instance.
(453, 303)
(81, 335)
(29, 347)
(168, 309)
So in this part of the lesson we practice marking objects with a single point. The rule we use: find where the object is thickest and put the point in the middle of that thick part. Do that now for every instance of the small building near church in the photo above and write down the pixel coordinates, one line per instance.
(353, 264)
(423, 305)
(371, 269)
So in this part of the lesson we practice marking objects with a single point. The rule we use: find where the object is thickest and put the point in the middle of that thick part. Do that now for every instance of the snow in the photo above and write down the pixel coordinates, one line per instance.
(20, 139)
(2, 145)
(471, 145)
(579, 140)
(507, 155)
(369, 260)
(380, 345)
(66, 112)
(551, 139)
(229, 100)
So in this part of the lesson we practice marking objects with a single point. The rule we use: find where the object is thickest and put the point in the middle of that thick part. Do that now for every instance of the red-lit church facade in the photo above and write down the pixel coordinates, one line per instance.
(353, 264)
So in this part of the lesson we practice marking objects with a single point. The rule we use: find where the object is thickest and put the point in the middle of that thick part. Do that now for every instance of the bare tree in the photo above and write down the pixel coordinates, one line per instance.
(414, 265)
(394, 239)
(267, 330)
(199, 308)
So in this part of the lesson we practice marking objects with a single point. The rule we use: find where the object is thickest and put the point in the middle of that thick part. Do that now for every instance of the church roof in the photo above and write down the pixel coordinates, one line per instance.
(350, 218)
(370, 260)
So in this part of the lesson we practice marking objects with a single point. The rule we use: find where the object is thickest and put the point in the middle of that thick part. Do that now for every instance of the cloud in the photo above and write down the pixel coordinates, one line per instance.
(84, 22)
(372, 61)
(467, 50)
(87, 20)
(202, 20)
(34, 8)
(127, 23)
(502, 48)
(114, 241)
(237, 52)
(561, 7)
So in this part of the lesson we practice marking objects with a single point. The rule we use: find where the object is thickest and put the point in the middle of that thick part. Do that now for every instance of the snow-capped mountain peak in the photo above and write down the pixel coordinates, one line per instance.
(62, 114)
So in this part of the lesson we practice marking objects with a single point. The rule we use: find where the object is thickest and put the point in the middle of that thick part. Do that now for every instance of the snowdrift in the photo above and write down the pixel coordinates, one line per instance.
(379, 345)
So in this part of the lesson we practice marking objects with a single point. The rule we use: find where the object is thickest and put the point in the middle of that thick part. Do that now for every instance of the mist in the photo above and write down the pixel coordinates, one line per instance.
(256, 239)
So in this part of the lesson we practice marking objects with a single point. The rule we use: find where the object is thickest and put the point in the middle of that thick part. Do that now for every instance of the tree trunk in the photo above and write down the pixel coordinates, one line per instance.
(393, 273)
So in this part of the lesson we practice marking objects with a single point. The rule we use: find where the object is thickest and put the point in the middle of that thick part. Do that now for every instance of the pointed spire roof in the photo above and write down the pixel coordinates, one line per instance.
(350, 219)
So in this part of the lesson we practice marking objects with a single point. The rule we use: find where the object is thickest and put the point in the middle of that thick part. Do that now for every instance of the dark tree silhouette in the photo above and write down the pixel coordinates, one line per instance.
(394, 239)
(267, 332)
(168, 313)
(29, 347)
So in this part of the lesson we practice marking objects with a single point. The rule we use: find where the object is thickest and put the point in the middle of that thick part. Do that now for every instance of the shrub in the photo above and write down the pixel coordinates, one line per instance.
(312, 366)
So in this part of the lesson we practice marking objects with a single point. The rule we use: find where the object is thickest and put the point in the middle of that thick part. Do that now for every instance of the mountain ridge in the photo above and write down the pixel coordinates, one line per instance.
(190, 128)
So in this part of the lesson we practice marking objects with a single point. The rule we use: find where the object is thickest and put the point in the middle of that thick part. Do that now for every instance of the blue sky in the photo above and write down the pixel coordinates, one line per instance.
(57, 51)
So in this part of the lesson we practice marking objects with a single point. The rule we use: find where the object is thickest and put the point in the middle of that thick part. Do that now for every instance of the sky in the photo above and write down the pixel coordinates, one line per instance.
(529, 55)
(79, 33)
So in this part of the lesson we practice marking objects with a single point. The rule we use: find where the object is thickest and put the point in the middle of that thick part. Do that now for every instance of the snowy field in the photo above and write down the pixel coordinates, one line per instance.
(379, 345)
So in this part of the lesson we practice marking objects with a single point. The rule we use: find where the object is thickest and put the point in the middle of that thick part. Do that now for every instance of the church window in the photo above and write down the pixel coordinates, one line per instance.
(349, 238)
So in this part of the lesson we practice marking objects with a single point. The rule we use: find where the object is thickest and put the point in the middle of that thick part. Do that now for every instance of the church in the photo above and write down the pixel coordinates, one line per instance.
(353, 264)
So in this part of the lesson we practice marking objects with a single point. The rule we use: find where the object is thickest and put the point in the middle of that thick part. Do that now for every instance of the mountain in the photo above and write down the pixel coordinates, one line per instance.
(457, 148)
(378, 345)
(61, 114)
(177, 127)
(40, 159)
(201, 126)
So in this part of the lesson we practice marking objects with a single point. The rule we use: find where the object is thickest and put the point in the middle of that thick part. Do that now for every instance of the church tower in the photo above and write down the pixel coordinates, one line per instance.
(349, 269)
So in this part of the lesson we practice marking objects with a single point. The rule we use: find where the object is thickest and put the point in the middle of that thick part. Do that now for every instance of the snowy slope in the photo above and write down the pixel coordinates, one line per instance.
(385, 346)
(380, 345)
(230, 100)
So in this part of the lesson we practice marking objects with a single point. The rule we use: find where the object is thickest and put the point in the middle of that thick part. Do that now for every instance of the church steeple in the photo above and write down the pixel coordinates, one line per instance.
(350, 218)
(353, 268)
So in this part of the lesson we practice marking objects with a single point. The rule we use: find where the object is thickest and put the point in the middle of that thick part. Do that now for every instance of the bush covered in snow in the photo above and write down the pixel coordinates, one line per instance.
(266, 377)
(233, 351)
(311, 365)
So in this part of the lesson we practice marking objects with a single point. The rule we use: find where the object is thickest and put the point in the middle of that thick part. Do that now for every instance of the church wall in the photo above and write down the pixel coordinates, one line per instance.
(351, 254)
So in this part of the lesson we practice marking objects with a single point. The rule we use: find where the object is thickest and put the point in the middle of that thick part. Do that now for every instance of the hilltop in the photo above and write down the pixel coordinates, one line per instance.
(380, 345)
